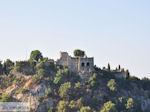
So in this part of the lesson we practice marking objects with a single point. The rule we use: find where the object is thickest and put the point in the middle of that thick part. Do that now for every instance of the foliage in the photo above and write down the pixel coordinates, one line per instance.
(5, 98)
(85, 109)
(36, 56)
(48, 91)
(72, 104)
(112, 85)
(58, 77)
(41, 72)
(24, 67)
(79, 53)
(128, 74)
(8, 66)
(108, 107)
(72, 93)
(92, 80)
(62, 106)
(1, 68)
(49, 110)
(130, 103)
(64, 89)
(78, 85)
(108, 66)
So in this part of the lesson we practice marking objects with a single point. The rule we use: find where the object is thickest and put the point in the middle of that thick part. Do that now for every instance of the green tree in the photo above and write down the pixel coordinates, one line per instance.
(130, 103)
(1, 68)
(108, 66)
(127, 74)
(79, 53)
(35, 56)
(58, 77)
(112, 85)
(85, 109)
(8, 66)
(119, 67)
(64, 89)
(108, 107)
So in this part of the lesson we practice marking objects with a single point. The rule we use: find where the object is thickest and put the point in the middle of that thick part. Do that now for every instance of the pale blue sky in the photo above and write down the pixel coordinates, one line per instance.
(115, 31)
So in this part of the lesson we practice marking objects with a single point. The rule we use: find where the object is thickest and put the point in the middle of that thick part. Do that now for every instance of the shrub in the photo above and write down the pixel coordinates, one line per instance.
(62, 106)
(5, 98)
(41, 72)
(24, 67)
(8, 66)
(64, 89)
(92, 80)
(85, 109)
(108, 107)
(130, 103)
(112, 85)
(78, 85)
(72, 104)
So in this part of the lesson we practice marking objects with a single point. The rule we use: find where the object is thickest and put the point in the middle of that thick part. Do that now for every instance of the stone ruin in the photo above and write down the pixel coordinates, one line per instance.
(76, 64)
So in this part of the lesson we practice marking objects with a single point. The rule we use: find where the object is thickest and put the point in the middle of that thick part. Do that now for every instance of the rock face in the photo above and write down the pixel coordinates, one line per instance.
(42, 94)
(34, 92)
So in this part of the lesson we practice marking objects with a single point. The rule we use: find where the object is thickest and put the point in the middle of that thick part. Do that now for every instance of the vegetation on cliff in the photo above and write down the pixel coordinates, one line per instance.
(64, 91)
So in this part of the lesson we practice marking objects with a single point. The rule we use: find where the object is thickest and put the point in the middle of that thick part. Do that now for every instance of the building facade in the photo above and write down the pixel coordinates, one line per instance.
(76, 64)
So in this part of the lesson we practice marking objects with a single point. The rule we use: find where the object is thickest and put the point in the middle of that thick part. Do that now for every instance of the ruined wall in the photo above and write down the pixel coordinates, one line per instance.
(76, 64)
(63, 59)
(86, 64)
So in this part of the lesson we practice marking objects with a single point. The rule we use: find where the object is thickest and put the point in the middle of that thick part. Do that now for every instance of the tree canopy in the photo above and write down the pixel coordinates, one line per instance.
(36, 55)
(79, 53)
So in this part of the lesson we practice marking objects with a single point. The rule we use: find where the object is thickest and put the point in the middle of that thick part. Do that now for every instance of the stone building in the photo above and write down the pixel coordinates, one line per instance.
(76, 64)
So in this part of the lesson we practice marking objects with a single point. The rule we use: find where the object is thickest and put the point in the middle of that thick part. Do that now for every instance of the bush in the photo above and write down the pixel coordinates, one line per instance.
(64, 89)
(92, 80)
(58, 77)
(5, 98)
(8, 66)
(78, 85)
(24, 67)
(130, 103)
(62, 106)
(108, 107)
(41, 72)
(1, 68)
(112, 85)
(85, 109)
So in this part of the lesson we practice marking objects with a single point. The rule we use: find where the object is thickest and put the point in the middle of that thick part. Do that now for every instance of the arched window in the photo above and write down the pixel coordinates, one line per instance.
(87, 64)
(82, 64)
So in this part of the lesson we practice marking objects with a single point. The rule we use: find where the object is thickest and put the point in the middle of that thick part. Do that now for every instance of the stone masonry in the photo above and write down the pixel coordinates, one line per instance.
(76, 64)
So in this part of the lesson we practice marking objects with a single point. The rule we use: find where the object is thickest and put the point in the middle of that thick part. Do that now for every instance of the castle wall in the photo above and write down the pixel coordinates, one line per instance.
(80, 64)
(63, 59)
(86, 64)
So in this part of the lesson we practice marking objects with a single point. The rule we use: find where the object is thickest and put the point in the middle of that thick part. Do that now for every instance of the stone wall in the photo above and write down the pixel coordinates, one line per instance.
(85, 64)
(76, 64)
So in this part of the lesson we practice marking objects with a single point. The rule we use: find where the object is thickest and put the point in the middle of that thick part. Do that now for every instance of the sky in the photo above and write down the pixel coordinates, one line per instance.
(113, 31)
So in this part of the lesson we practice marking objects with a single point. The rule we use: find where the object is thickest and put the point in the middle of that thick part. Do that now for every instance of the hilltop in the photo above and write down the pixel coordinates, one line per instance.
(50, 86)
